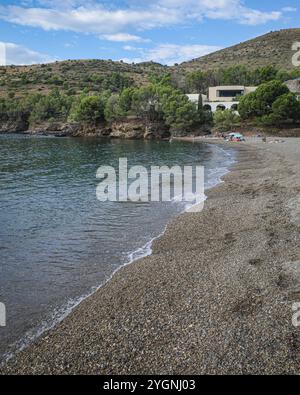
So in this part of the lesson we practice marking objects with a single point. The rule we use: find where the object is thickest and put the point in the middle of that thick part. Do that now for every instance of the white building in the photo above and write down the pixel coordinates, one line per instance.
(222, 97)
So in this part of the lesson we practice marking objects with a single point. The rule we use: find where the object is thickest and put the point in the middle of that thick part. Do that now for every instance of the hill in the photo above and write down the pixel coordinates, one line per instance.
(75, 76)
(274, 48)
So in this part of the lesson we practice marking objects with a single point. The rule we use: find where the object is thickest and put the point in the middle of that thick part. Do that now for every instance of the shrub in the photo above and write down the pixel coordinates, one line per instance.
(287, 107)
(226, 120)
(89, 109)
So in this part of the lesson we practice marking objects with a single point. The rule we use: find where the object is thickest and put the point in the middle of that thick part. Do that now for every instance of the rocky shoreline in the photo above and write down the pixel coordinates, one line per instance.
(132, 129)
(215, 297)
(125, 129)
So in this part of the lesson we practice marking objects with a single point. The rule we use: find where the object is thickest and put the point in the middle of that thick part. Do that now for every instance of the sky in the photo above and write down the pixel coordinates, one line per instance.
(164, 31)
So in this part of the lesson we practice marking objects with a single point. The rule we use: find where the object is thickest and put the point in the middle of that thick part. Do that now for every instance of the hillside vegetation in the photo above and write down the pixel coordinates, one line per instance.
(274, 48)
(96, 94)
(73, 77)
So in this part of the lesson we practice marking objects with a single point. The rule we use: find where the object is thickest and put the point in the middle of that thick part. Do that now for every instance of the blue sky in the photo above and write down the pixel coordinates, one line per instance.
(165, 31)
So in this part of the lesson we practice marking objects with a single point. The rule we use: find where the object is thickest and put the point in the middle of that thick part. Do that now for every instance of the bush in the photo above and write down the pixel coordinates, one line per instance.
(112, 110)
(89, 110)
(226, 120)
(260, 102)
(287, 107)
(266, 94)
(53, 106)
(126, 98)
(146, 104)
(56, 80)
(179, 112)
(116, 82)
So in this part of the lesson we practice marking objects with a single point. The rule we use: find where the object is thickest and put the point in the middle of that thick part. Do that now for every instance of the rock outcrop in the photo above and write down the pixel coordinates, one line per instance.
(13, 126)
(137, 129)
(129, 128)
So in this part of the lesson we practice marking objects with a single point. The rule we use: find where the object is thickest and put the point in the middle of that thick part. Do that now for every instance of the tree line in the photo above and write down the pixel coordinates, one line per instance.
(272, 104)
(161, 101)
(157, 102)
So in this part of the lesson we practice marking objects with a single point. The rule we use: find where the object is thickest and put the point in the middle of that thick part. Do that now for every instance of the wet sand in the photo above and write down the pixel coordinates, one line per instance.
(215, 297)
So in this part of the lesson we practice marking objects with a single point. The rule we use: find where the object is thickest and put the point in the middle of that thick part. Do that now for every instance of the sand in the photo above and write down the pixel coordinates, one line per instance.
(215, 297)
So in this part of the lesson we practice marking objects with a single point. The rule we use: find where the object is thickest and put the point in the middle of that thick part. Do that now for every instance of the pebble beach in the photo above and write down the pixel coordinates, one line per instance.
(215, 296)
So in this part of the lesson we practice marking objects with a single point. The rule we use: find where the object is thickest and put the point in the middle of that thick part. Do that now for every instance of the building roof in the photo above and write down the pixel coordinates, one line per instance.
(228, 87)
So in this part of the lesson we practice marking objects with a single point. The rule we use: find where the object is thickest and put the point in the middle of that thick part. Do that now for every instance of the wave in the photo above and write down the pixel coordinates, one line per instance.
(58, 315)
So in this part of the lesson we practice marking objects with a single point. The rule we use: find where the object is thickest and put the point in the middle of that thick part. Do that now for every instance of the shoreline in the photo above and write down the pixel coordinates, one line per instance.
(129, 128)
(143, 321)
(50, 324)
(65, 310)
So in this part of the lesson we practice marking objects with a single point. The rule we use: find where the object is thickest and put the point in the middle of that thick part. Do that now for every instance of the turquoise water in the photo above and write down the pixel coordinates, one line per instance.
(57, 241)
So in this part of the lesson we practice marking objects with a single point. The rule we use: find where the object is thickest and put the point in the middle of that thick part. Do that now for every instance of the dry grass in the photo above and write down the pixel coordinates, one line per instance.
(274, 48)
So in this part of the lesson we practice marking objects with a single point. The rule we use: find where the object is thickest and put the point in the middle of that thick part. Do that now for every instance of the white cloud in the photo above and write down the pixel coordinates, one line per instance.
(253, 17)
(289, 9)
(92, 17)
(97, 19)
(170, 53)
(111, 22)
(131, 48)
(123, 37)
(222, 9)
(15, 54)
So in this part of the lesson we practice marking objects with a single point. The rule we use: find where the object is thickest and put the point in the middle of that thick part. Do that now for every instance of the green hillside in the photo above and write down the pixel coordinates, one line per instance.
(274, 48)
(73, 77)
